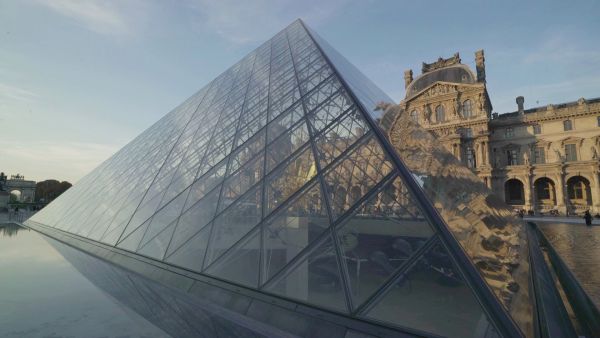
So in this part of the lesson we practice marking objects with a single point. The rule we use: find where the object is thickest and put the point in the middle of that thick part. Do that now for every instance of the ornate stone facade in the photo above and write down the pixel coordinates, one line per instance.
(544, 159)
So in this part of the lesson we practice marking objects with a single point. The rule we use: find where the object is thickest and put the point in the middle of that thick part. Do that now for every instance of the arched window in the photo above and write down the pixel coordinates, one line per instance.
(414, 116)
(544, 191)
(467, 109)
(513, 192)
(440, 115)
(578, 189)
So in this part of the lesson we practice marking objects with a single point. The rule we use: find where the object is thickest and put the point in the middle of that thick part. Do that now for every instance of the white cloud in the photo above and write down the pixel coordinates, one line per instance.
(103, 17)
(14, 93)
(45, 160)
(243, 22)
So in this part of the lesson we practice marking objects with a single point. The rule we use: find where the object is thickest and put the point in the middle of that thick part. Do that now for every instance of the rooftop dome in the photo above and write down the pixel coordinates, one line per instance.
(457, 73)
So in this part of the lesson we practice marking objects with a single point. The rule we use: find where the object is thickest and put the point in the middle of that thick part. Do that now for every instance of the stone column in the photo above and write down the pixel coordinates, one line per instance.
(561, 200)
(528, 192)
(595, 188)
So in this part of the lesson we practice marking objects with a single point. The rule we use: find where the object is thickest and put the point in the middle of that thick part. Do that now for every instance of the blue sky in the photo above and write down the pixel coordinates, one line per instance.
(79, 79)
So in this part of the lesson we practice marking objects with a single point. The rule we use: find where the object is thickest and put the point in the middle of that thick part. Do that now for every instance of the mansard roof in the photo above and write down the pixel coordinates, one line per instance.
(457, 73)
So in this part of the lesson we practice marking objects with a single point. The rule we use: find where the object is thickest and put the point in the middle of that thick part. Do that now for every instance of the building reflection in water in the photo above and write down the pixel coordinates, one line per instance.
(176, 313)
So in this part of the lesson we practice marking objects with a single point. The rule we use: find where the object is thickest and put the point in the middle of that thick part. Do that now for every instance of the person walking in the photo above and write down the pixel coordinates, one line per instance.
(588, 218)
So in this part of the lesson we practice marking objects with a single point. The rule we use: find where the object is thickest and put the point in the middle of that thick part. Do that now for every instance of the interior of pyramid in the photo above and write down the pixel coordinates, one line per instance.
(272, 177)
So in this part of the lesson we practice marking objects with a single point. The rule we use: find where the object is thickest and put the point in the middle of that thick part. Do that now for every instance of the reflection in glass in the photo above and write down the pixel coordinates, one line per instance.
(382, 234)
(432, 296)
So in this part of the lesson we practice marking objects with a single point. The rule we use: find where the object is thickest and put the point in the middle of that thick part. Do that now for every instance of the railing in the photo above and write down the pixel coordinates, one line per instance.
(551, 315)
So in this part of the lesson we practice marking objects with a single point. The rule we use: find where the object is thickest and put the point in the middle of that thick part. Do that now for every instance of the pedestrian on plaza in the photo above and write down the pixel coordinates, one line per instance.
(588, 218)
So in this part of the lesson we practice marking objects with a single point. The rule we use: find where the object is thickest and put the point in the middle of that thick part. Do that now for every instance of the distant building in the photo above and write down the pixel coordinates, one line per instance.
(541, 159)
(16, 188)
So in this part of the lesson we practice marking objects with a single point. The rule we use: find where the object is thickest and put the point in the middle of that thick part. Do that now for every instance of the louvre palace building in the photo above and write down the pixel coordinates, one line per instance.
(542, 159)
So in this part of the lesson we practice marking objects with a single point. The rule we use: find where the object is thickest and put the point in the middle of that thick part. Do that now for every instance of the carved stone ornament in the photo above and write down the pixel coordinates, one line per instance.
(441, 63)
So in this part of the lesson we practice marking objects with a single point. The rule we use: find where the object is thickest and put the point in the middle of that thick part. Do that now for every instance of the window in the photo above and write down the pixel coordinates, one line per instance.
(509, 132)
(468, 132)
(440, 115)
(539, 155)
(571, 152)
(512, 157)
(467, 109)
(598, 121)
(568, 125)
(414, 116)
(470, 157)
(576, 191)
(537, 129)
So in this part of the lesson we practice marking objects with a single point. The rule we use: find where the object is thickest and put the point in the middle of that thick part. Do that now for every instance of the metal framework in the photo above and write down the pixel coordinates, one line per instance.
(276, 178)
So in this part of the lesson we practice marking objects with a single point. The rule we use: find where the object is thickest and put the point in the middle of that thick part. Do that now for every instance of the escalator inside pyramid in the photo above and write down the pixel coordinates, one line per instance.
(291, 196)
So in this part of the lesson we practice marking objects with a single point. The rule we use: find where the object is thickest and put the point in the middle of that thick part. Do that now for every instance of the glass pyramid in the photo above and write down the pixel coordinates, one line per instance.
(276, 177)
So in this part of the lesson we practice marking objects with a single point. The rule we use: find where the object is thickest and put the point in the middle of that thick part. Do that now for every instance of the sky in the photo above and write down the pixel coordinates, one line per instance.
(79, 79)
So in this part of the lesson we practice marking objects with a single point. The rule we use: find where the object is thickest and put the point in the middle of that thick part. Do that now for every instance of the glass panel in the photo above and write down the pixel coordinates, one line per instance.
(286, 144)
(238, 183)
(284, 122)
(234, 223)
(157, 246)
(132, 241)
(290, 177)
(191, 254)
(353, 176)
(329, 111)
(240, 265)
(316, 279)
(433, 297)
(164, 217)
(193, 219)
(340, 136)
(292, 229)
(381, 235)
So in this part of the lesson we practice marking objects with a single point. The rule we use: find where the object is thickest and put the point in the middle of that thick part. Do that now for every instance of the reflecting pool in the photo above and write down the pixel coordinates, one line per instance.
(43, 295)
(579, 247)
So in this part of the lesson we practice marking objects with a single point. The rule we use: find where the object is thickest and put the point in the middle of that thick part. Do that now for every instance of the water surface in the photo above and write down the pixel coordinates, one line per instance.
(579, 247)
(43, 295)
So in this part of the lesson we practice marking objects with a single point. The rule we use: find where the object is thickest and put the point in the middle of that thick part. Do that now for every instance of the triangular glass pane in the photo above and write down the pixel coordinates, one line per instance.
(354, 175)
(291, 176)
(284, 122)
(321, 94)
(433, 297)
(206, 183)
(286, 144)
(191, 254)
(112, 235)
(132, 241)
(235, 222)
(143, 213)
(292, 229)
(383, 232)
(340, 136)
(246, 152)
(316, 279)
(242, 180)
(157, 246)
(193, 219)
(164, 217)
(329, 110)
(240, 264)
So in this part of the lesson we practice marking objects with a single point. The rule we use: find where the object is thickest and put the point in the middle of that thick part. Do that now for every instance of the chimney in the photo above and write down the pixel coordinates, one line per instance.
(520, 100)
(408, 78)
(480, 65)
